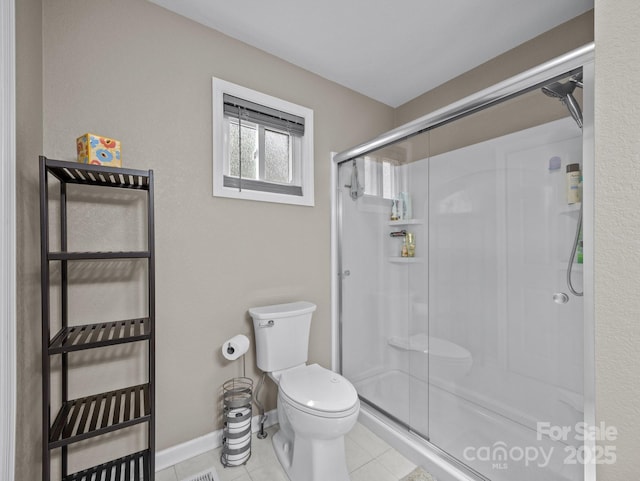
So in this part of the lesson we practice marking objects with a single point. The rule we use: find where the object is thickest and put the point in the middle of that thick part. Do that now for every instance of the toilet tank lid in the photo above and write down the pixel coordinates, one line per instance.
(282, 310)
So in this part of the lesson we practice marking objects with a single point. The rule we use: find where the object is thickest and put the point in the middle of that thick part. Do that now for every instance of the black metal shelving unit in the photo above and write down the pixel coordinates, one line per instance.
(100, 413)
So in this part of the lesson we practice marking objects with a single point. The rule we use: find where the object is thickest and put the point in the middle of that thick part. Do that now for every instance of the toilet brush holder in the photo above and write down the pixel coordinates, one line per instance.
(237, 394)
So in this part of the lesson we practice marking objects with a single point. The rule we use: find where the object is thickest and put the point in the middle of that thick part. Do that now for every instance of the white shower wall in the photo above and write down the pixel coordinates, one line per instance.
(500, 234)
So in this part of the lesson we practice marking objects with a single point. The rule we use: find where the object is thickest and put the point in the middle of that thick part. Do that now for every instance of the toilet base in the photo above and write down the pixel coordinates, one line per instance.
(311, 460)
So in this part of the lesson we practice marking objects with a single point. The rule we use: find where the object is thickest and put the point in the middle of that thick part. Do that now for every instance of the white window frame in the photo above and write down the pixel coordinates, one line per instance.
(221, 139)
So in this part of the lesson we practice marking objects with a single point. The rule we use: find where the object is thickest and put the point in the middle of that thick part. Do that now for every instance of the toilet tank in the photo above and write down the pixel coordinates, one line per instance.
(282, 334)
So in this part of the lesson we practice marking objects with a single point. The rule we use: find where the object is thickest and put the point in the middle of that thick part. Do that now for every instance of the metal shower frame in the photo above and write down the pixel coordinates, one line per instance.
(534, 78)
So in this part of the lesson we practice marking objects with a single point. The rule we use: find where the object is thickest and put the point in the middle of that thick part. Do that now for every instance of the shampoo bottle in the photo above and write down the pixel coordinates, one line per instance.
(573, 183)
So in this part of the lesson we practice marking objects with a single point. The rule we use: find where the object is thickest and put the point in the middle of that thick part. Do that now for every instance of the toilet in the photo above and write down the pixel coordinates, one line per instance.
(316, 406)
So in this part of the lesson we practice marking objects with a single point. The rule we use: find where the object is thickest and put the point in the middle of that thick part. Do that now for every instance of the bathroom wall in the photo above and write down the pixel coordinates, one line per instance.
(525, 111)
(28, 147)
(134, 71)
(557, 41)
(617, 230)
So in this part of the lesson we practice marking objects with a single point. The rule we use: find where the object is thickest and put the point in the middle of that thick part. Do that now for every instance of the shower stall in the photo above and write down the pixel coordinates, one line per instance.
(463, 267)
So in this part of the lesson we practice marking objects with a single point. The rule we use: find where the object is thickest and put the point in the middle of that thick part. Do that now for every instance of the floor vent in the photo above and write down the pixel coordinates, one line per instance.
(209, 475)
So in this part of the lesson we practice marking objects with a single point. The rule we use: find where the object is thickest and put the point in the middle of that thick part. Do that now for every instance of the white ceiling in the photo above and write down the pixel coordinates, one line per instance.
(391, 51)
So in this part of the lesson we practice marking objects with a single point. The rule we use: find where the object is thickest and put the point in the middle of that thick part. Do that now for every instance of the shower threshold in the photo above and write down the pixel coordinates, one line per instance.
(455, 428)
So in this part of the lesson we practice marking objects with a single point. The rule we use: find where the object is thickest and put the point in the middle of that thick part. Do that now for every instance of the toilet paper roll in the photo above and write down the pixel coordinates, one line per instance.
(235, 347)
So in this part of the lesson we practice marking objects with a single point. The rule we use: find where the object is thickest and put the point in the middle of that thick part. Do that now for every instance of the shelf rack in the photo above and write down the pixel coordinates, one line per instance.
(99, 413)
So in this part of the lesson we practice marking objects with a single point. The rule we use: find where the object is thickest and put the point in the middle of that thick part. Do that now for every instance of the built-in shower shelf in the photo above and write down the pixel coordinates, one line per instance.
(570, 210)
(406, 260)
(406, 222)
(417, 343)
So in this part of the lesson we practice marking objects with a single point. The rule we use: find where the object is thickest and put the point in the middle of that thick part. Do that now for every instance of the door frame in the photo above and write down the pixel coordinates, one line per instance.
(7, 240)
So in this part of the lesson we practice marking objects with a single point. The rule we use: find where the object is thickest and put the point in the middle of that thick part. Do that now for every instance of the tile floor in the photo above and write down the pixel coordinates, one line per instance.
(368, 458)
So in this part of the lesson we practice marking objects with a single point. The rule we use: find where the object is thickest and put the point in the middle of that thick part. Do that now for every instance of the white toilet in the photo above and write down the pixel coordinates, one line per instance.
(316, 406)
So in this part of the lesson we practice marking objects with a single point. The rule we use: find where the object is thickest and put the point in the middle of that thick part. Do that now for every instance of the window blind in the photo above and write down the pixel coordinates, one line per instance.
(263, 115)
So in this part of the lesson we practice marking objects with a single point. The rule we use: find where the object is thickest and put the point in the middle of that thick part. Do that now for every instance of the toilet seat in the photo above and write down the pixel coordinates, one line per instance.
(318, 391)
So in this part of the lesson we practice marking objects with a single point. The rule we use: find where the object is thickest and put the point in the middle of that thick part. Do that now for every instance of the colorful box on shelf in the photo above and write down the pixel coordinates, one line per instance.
(99, 150)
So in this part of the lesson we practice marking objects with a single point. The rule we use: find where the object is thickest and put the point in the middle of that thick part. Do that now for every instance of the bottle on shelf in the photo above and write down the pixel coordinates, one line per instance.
(409, 245)
(574, 178)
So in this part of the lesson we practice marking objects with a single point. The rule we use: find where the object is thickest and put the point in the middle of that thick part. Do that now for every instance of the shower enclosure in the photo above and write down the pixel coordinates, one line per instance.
(455, 243)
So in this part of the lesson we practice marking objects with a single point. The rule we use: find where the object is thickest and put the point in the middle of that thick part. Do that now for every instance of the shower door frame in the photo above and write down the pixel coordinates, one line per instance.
(531, 79)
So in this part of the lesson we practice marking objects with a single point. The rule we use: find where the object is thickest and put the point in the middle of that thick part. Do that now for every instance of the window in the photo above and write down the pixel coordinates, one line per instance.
(379, 177)
(263, 147)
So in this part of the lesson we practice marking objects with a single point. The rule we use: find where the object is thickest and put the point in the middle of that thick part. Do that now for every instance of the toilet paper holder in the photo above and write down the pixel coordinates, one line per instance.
(235, 347)
(237, 394)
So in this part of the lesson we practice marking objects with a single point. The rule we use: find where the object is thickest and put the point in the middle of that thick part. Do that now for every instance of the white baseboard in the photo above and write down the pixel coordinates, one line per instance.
(181, 452)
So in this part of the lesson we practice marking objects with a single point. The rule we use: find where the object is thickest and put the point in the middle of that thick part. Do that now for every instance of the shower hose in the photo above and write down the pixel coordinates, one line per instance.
(573, 256)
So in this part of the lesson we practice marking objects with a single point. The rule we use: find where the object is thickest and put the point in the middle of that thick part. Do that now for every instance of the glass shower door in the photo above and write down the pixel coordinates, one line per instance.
(375, 281)
(476, 343)
(505, 352)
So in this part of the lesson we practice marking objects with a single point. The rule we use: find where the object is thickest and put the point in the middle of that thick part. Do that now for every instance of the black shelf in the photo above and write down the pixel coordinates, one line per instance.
(90, 336)
(75, 173)
(99, 414)
(77, 256)
(134, 467)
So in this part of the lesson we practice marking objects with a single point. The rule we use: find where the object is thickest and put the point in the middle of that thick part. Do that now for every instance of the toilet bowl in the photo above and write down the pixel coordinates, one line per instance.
(316, 406)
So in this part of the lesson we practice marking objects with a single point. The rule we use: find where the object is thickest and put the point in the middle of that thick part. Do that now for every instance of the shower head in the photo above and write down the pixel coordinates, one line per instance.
(559, 90)
(564, 93)
(577, 80)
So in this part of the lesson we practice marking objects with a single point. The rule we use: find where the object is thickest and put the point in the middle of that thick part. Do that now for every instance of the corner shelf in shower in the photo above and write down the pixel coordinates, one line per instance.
(393, 223)
(406, 260)
(413, 343)
(570, 210)
(99, 413)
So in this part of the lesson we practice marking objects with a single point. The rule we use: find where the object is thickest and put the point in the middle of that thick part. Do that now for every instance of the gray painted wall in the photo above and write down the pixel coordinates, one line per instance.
(136, 72)
(617, 230)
